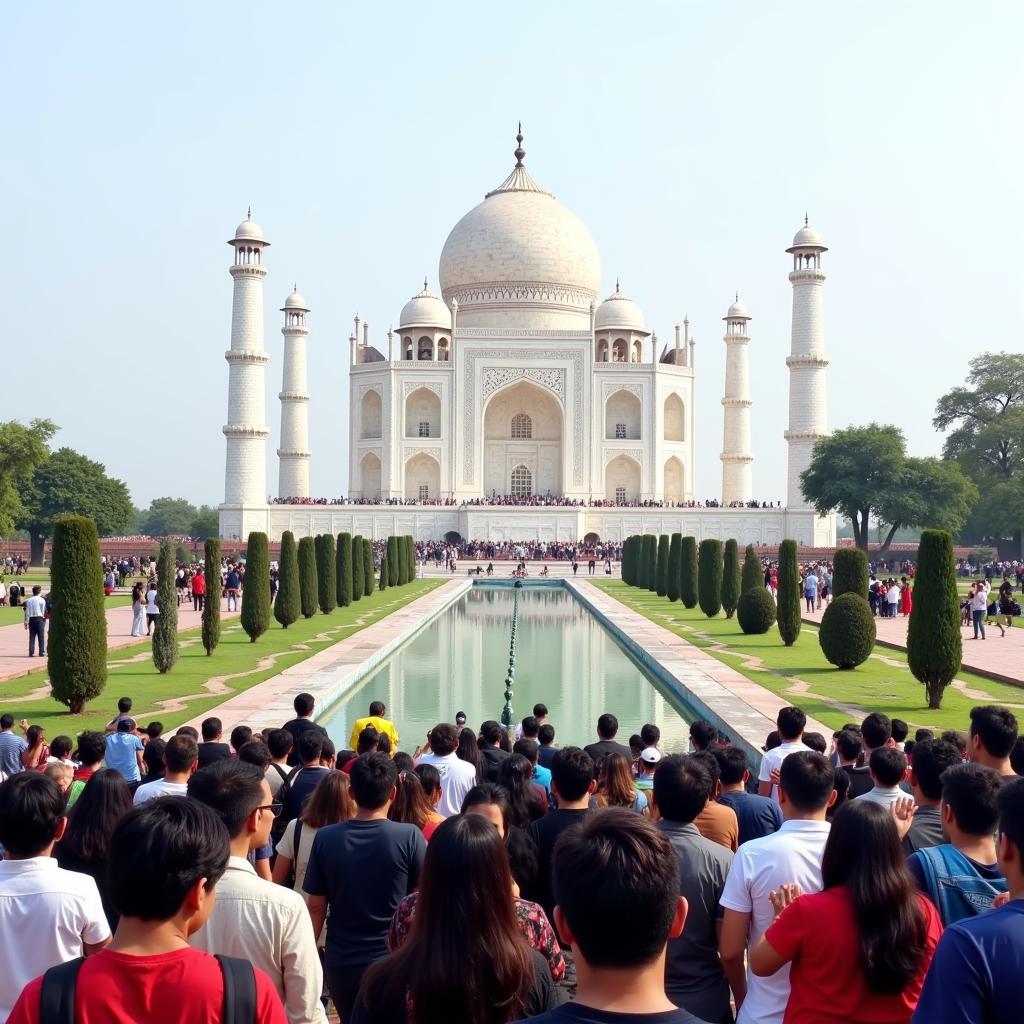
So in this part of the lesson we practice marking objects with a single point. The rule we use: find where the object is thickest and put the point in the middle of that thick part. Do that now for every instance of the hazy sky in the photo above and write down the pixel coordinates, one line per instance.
(690, 138)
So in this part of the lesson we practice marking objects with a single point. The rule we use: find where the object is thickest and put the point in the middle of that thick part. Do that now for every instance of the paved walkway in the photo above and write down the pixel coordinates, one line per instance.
(999, 658)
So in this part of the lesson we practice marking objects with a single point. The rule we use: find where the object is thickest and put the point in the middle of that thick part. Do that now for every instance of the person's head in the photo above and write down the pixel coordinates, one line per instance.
(888, 766)
(530, 727)
(377, 709)
(993, 734)
(848, 746)
(876, 731)
(188, 730)
(682, 787)
(460, 718)
(255, 752)
(931, 759)
(328, 752)
(958, 739)
(924, 734)
(546, 734)
(790, 722)
(636, 745)
(153, 759)
(60, 747)
(772, 740)
(411, 804)
(403, 761)
(430, 780)
(6, 722)
(31, 815)
(240, 796)
(615, 781)
(91, 748)
(310, 745)
(330, 802)
(650, 734)
(702, 734)
(280, 743)
(607, 726)
(490, 734)
(181, 754)
(490, 802)
(900, 730)
(104, 801)
(649, 758)
(815, 741)
(304, 704)
(968, 806)
(212, 728)
(806, 784)
(240, 735)
(616, 888)
(733, 769)
(443, 739)
(154, 730)
(572, 774)
(124, 705)
(123, 725)
(1017, 756)
(372, 779)
(540, 712)
(166, 857)
(62, 774)
(1010, 803)
(515, 774)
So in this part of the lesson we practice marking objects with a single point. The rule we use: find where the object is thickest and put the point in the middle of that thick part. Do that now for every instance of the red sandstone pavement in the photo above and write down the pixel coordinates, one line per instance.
(1001, 658)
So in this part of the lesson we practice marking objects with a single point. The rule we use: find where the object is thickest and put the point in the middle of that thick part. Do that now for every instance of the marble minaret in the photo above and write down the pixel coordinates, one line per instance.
(293, 455)
(737, 460)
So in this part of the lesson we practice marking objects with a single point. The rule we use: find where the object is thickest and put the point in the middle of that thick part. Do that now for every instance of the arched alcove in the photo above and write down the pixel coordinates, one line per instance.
(673, 482)
(622, 417)
(369, 474)
(622, 480)
(422, 478)
(370, 415)
(675, 419)
(423, 414)
(523, 427)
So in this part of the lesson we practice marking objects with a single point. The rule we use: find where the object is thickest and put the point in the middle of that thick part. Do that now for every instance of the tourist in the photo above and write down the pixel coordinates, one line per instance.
(615, 785)
(992, 736)
(607, 728)
(875, 733)
(412, 805)
(458, 963)
(35, 622)
(61, 773)
(887, 767)
(181, 759)
(647, 762)
(240, 735)
(92, 746)
(530, 726)
(60, 751)
(166, 860)
(198, 591)
(527, 801)
(716, 821)
(124, 752)
(304, 704)
(369, 741)
(301, 783)
(977, 976)
(702, 735)
(869, 961)
(900, 731)
(266, 924)
(385, 856)
(1017, 756)
(491, 735)
(36, 753)
(491, 802)
(961, 876)
(790, 722)
(232, 587)
(1007, 607)
(530, 749)
(153, 763)
(279, 743)
(547, 751)
(12, 747)
(152, 607)
(468, 750)
(978, 605)
(756, 816)
(458, 777)
(124, 709)
(811, 590)
(790, 856)
(138, 610)
(376, 719)
(694, 978)
(47, 915)
(212, 748)
(931, 759)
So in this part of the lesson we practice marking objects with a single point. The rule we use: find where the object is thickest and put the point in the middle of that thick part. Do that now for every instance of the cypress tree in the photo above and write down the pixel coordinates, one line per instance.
(383, 584)
(288, 603)
(78, 626)
(688, 573)
(403, 560)
(392, 550)
(675, 564)
(753, 574)
(850, 573)
(934, 643)
(255, 617)
(641, 562)
(789, 593)
(307, 577)
(731, 578)
(412, 558)
(326, 574)
(165, 631)
(709, 577)
(357, 567)
(625, 564)
(369, 577)
(661, 569)
(651, 558)
(211, 604)
(344, 571)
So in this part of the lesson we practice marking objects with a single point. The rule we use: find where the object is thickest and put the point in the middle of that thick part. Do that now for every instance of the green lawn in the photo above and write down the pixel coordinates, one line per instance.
(801, 674)
(185, 691)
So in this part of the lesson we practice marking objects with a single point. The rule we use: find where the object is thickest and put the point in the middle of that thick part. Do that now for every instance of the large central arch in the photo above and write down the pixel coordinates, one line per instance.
(523, 426)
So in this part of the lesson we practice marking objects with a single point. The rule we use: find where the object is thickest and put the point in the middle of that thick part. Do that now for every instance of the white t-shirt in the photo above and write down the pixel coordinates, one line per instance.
(286, 848)
(458, 777)
(771, 760)
(161, 787)
(793, 854)
(151, 605)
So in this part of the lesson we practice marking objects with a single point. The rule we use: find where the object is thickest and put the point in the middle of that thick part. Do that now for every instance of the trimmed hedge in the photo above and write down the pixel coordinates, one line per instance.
(731, 578)
(288, 603)
(369, 577)
(651, 562)
(165, 630)
(709, 577)
(688, 573)
(755, 610)
(753, 573)
(326, 574)
(403, 560)
(255, 617)
(343, 571)
(661, 567)
(412, 558)
(307, 577)
(383, 582)
(847, 631)
(789, 593)
(357, 567)
(850, 572)
(675, 562)
(211, 604)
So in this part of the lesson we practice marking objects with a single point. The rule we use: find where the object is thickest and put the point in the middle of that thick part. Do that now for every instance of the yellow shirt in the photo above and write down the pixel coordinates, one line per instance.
(380, 724)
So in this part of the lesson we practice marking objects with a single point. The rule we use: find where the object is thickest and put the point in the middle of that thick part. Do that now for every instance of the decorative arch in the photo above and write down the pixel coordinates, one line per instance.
(521, 481)
(673, 480)
(370, 415)
(638, 351)
(369, 476)
(622, 417)
(521, 426)
(622, 480)
(407, 348)
(442, 350)
(425, 349)
(520, 402)
(620, 351)
(591, 539)
(422, 414)
(422, 478)
(675, 418)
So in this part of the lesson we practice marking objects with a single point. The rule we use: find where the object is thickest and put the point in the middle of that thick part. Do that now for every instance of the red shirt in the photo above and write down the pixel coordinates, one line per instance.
(183, 987)
(818, 934)
(199, 584)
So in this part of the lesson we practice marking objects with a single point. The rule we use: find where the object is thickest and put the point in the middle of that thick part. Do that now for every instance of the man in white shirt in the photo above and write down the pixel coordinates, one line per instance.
(793, 854)
(979, 608)
(265, 923)
(790, 722)
(458, 777)
(35, 622)
(47, 915)
(181, 759)
(888, 769)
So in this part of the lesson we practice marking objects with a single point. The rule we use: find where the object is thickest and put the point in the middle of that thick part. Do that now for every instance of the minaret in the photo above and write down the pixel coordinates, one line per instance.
(293, 455)
(736, 457)
(245, 471)
(808, 403)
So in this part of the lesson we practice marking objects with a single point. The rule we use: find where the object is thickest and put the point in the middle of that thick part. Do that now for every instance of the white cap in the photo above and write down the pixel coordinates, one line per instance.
(650, 755)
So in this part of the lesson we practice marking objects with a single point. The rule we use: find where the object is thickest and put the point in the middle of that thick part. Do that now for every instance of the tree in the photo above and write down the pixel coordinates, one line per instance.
(753, 573)
(78, 627)
(651, 560)
(403, 560)
(412, 558)
(629, 561)
(171, 517)
(934, 644)
(675, 562)
(847, 631)
(211, 605)
(383, 582)
(357, 567)
(731, 588)
(326, 567)
(756, 611)
(288, 603)
(392, 549)
(344, 570)
(850, 572)
(788, 600)
(206, 523)
(22, 450)
(165, 631)
(307, 577)
(709, 577)
(255, 617)
(369, 578)
(661, 567)
(688, 573)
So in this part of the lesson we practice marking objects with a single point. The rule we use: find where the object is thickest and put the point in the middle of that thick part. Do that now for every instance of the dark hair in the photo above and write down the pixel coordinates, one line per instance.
(485, 795)
(329, 803)
(607, 726)
(343, 757)
(616, 880)
(808, 779)
(372, 777)
(1017, 756)
(888, 765)
(123, 725)
(6, 720)
(403, 761)
(528, 748)
(515, 775)
(790, 722)
(304, 704)
(255, 752)
(443, 739)
(104, 801)
(233, 789)
(430, 778)
(411, 804)
(280, 743)
(91, 747)
(1011, 812)
(327, 750)
(923, 734)
(458, 963)
(957, 738)
(682, 787)
(187, 730)
(540, 710)
(931, 759)
(240, 735)
(996, 728)
(815, 741)
(468, 750)
(732, 763)
(124, 705)
(546, 734)
(707, 758)
(159, 851)
(772, 740)
(377, 708)
(636, 744)
(180, 753)
(572, 771)
(530, 727)
(211, 729)
(650, 735)
(154, 730)
(864, 855)
(970, 790)
(848, 744)
(31, 806)
(153, 758)
(900, 730)
(876, 730)
(60, 747)
(309, 745)
(841, 785)
(702, 733)
(490, 732)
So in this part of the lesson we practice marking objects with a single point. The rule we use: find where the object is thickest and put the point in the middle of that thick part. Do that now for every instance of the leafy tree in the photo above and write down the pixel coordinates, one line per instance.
(731, 589)
(255, 617)
(661, 567)
(288, 603)
(934, 643)
(171, 517)
(369, 578)
(206, 523)
(22, 450)
(709, 577)
(357, 567)
(675, 562)
(383, 583)
(211, 606)
(688, 573)
(344, 569)
(165, 630)
(753, 573)
(78, 627)
(789, 593)
(392, 550)
(755, 611)
(651, 560)
(850, 572)
(326, 567)
(847, 631)
(307, 577)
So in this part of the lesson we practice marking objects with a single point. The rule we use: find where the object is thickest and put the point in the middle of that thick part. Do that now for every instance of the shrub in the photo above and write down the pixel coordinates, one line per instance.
(383, 584)
(78, 625)
(753, 573)
(688, 573)
(755, 610)
(629, 560)
(709, 577)
(675, 561)
(307, 577)
(165, 631)
(326, 574)
(357, 568)
(403, 560)
(288, 603)
(661, 567)
(181, 556)
(847, 631)
(392, 553)
(641, 561)
(412, 558)
(211, 606)
(789, 593)
(934, 643)
(344, 569)
(255, 617)
(369, 579)
(731, 578)
(850, 572)
(651, 561)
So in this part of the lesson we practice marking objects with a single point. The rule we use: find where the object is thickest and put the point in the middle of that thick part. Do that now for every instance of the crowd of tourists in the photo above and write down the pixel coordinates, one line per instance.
(527, 500)
(486, 875)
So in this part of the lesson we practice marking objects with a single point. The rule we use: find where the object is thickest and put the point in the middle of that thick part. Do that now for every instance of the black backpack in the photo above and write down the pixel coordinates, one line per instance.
(57, 998)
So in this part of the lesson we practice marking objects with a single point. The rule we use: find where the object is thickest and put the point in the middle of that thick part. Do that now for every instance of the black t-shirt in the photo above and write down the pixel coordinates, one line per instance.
(300, 787)
(545, 833)
(574, 1013)
(297, 726)
(860, 781)
(602, 748)
(493, 756)
(211, 752)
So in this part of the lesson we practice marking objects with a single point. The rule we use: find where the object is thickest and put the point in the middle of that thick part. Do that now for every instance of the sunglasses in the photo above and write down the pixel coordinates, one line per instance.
(275, 809)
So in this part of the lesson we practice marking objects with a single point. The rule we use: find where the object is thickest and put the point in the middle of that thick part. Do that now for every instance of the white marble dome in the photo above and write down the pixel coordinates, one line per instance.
(619, 312)
(807, 238)
(249, 231)
(296, 301)
(737, 311)
(425, 309)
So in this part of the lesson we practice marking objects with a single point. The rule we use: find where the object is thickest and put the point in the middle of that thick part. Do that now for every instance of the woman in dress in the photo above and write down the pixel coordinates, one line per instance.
(906, 596)
(138, 610)
(34, 756)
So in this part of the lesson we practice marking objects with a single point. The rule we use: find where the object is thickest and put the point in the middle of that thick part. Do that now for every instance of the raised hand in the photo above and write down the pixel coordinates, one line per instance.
(903, 811)
(782, 897)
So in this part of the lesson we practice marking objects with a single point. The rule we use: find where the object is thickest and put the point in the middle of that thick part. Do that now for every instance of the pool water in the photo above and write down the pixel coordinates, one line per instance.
(565, 658)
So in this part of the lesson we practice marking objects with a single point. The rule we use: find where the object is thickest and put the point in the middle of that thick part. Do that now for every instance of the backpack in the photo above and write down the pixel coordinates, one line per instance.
(954, 886)
(57, 998)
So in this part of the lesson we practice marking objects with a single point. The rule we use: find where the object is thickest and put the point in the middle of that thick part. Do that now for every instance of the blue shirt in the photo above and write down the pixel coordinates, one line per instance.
(811, 584)
(542, 776)
(757, 815)
(120, 755)
(11, 749)
(977, 976)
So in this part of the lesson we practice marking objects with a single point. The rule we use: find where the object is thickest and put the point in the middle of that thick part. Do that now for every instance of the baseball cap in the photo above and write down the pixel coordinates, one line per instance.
(460, 718)
(652, 755)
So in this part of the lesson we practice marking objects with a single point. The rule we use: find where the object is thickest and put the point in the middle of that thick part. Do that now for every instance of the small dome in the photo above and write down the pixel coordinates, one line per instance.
(618, 312)
(295, 301)
(249, 231)
(425, 309)
(737, 311)
(807, 238)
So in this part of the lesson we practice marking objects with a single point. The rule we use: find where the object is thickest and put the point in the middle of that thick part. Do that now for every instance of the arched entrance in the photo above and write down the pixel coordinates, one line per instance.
(523, 441)
(673, 480)
(622, 417)
(622, 480)
(423, 414)
(422, 478)
(369, 474)
(591, 539)
(370, 415)
(675, 419)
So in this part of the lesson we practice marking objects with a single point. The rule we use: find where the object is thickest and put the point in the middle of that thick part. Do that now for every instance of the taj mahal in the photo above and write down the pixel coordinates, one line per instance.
(519, 405)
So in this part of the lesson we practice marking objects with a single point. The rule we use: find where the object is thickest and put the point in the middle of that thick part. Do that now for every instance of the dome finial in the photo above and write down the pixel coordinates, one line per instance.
(616, 286)
(248, 213)
(519, 153)
(424, 282)
(737, 296)
(806, 220)
(295, 286)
